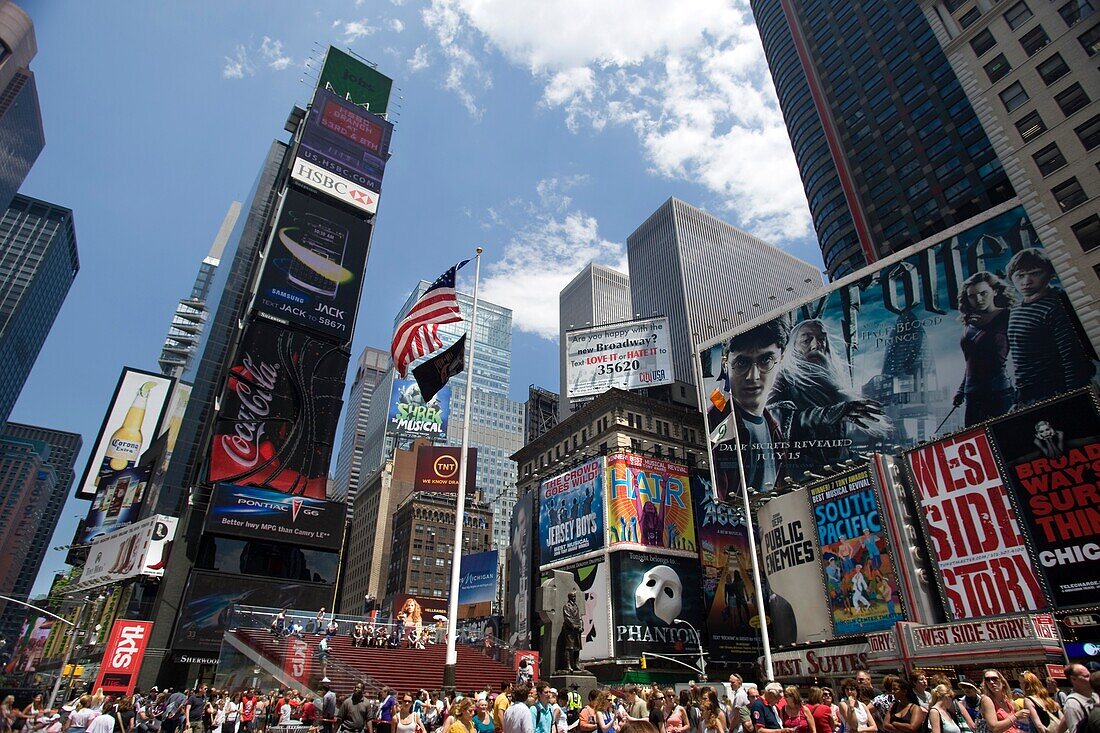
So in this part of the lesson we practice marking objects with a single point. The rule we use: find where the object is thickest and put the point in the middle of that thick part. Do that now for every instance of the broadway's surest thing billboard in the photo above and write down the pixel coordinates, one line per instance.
(951, 335)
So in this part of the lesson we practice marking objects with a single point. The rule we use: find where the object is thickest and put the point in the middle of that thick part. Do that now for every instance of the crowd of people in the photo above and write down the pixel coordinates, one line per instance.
(408, 630)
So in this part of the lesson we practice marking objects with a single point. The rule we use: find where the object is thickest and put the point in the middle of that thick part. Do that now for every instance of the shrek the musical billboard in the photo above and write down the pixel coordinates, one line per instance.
(945, 337)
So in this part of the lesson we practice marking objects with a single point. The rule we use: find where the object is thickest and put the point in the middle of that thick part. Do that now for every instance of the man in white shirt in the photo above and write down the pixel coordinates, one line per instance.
(738, 697)
(1078, 703)
(517, 718)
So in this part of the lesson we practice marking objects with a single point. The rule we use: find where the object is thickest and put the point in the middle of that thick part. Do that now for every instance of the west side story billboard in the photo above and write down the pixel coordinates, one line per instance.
(313, 271)
(273, 516)
(629, 355)
(951, 335)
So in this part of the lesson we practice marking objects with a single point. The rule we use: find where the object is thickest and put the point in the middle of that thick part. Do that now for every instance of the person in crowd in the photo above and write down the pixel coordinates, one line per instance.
(586, 719)
(713, 721)
(386, 710)
(944, 714)
(516, 718)
(984, 303)
(1044, 710)
(740, 697)
(655, 701)
(819, 703)
(905, 714)
(247, 711)
(542, 712)
(102, 723)
(358, 635)
(970, 698)
(1054, 692)
(605, 717)
(854, 712)
(352, 715)
(332, 628)
(795, 714)
(1080, 701)
(638, 726)
(918, 681)
(676, 718)
(278, 624)
(81, 716)
(483, 718)
(558, 703)
(406, 720)
(124, 714)
(635, 707)
(463, 713)
(310, 712)
(501, 703)
(996, 705)
(881, 704)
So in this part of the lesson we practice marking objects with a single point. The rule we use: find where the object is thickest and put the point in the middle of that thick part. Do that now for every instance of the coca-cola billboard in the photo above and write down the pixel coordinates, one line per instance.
(279, 411)
(122, 658)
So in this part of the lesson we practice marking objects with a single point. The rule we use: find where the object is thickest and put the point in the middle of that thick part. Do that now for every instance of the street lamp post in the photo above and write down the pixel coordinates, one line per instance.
(74, 625)
(699, 643)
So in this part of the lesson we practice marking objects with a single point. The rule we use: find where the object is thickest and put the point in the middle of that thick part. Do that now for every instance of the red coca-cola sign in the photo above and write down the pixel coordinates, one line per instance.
(279, 411)
(122, 659)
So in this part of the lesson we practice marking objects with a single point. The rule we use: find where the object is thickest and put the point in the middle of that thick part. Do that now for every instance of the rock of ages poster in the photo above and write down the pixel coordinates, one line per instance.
(1051, 455)
(861, 583)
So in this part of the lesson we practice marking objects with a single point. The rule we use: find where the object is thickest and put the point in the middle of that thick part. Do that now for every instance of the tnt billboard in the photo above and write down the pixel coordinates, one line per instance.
(123, 656)
(437, 468)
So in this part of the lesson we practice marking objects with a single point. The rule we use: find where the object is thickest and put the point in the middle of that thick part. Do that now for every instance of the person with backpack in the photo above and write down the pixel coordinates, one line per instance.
(1079, 703)
(1045, 710)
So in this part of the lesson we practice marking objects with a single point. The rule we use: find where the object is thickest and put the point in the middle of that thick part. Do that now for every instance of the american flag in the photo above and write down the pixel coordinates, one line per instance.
(418, 333)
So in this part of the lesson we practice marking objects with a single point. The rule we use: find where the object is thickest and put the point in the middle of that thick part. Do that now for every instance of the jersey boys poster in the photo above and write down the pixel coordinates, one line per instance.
(649, 502)
(860, 579)
(948, 337)
(571, 512)
(973, 532)
(1052, 459)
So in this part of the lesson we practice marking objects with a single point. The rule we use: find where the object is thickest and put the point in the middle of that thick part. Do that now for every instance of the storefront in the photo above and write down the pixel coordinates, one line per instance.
(1010, 644)
(820, 665)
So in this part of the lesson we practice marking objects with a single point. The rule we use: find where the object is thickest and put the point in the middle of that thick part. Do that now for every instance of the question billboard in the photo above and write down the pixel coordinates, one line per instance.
(629, 355)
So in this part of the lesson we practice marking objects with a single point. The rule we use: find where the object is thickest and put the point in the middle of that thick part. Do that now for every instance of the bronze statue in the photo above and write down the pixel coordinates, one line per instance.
(572, 626)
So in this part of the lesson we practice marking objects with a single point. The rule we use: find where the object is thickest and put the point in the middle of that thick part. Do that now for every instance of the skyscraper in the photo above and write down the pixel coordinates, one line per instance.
(191, 313)
(696, 269)
(21, 135)
(349, 462)
(887, 144)
(38, 262)
(597, 295)
(1029, 71)
(36, 475)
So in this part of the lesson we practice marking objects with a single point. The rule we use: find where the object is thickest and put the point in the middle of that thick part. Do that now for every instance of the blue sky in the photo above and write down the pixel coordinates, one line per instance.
(544, 132)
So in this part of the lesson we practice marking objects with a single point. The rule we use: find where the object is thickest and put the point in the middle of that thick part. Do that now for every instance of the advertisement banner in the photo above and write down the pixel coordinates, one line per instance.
(520, 570)
(117, 502)
(571, 512)
(351, 79)
(976, 540)
(592, 579)
(884, 359)
(122, 657)
(861, 581)
(31, 645)
(627, 355)
(265, 514)
(313, 271)
(333, 185)
(649, 593)
(297, 655)
(733, 625)
(648, 502)
(411, 417)
(132, 422)
(792, 571)
(437, 468)
(527, 667)
(203, 612)
(279, 412)
(418, 611)
(139, 549)
(477, 584)
(1051, 454)
(339, 137)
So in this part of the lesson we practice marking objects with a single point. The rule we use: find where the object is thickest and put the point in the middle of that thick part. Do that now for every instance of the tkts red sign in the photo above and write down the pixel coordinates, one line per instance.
(279, 412)
(122, 660)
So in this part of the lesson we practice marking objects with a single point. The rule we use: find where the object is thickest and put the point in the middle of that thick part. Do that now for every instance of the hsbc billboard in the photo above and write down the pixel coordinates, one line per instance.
(334, 185)
(265, 514)
(122, 659)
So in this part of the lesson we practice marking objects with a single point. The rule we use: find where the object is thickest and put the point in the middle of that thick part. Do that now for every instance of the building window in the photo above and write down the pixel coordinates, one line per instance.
(1071, 99)
(1089, 133)
(1017, 15)
(1090, 40)
(1014, 96)
(982, 42)
(997, 68)
(967, 19)
(1052, 69)
(1030, 125)
(1088, 232)
(1075, 10)
(1069, 194)
(1049, 159)
(1034, 40)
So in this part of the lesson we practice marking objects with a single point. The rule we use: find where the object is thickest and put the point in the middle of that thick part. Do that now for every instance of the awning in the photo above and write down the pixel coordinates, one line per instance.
(1020, 638)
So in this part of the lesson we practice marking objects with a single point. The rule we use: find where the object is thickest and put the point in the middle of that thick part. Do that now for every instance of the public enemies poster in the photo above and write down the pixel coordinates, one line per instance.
(1052, 459)
(860, 579)
(951, 336)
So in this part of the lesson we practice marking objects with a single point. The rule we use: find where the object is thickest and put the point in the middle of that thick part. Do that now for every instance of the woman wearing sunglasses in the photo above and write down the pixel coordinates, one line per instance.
(996, 705)
(406, 720)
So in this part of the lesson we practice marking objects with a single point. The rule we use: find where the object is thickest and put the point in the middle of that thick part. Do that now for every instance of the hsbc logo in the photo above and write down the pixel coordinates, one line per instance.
(336, 186)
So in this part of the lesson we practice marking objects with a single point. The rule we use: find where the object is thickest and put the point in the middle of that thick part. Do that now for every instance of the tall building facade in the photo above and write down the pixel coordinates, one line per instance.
(1029, 70)
(697, 269)
(191, 313)
(369, 372)
(888, 146)
(21, 134)
(542, 412)
(38, 262)
(37, 467)
(597, 295)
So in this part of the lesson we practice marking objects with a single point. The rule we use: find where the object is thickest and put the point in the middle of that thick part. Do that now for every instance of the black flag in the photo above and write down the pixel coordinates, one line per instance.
(434, 373)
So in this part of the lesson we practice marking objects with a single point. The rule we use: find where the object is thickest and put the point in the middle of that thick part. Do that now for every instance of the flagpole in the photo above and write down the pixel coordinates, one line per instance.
(460, 501)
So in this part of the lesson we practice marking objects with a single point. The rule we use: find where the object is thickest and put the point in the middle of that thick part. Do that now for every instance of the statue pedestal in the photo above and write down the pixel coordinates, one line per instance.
(584, 681)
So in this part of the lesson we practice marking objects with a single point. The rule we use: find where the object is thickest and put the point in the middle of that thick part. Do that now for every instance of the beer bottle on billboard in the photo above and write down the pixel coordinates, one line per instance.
(125, 445)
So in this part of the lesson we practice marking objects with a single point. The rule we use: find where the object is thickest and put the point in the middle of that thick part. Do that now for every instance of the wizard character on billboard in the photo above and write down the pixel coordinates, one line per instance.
(984, 303)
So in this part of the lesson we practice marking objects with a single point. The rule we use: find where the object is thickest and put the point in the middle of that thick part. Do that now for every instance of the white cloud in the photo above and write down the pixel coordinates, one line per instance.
(544, 255)
(239, 66)
(396, 25)
(353, 30)
(272, 51)
(688, 78)
(419, 59)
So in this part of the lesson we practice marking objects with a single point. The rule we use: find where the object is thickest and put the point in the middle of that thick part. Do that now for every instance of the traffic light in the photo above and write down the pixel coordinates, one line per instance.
(643, 662)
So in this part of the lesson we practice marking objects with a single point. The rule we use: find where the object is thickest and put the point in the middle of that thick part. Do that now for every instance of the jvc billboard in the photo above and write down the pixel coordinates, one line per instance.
(946, 337)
